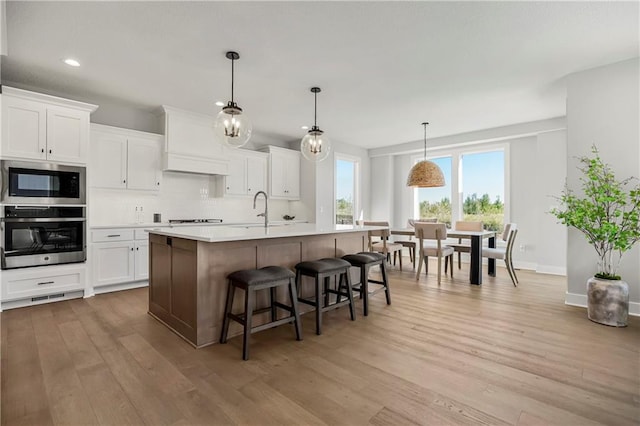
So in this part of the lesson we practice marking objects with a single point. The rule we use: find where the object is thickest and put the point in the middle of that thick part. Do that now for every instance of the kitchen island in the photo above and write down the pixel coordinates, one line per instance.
(188, 267)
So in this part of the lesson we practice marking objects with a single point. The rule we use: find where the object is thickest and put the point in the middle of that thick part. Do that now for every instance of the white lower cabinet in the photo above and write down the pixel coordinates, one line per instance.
(42, 284)
(141, 270)
(119, 256)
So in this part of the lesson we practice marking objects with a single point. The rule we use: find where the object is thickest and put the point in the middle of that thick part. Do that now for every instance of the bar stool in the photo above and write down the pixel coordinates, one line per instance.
(321, 271)
(365, 261)
(251, 280)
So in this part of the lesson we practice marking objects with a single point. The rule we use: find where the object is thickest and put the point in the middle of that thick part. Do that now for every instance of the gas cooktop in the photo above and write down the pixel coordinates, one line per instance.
(195, 220)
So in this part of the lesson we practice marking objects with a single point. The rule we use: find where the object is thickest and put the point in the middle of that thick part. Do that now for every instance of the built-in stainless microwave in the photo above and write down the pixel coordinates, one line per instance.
(42, 183)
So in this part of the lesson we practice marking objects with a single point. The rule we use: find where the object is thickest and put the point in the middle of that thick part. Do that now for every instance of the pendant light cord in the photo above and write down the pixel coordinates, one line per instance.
(232, 62)
(315, 109)
(425, 140)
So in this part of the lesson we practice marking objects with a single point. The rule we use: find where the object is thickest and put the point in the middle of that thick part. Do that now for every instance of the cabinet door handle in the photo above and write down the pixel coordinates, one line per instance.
(158, 183)
(49, 151)
(124, 181)
(42, 150)
(137, 248)
(113, 235)
(131, 248)
(46, 282)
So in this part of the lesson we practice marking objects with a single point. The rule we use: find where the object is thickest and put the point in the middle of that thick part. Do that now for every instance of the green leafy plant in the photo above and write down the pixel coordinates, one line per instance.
(608, 213)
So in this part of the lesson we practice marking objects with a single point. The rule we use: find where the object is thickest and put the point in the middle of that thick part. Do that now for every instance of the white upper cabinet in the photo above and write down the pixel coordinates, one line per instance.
(247, 173)
(191, 145)
(122, 158)
(144, 163)
(42, 127)
(284, 173)
(236, 181)
(256, 173)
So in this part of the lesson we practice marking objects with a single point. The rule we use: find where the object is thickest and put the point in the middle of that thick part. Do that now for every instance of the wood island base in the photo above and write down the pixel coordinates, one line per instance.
(187, 281)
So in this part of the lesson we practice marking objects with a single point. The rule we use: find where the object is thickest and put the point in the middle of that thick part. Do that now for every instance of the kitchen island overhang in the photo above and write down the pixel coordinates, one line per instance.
(188, 267)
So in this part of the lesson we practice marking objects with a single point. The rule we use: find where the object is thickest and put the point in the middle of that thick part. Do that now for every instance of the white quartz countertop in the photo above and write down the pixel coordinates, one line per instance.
(215, 234)
(180, 225)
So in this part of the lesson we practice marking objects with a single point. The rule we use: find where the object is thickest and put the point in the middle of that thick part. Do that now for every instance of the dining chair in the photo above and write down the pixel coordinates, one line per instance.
(383, 245)
(464, 246)
(411, 243)
(430, 241)
(505, 253)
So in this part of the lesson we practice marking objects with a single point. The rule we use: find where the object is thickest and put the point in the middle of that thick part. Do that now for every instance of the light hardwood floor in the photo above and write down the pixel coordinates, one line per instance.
(448, 354)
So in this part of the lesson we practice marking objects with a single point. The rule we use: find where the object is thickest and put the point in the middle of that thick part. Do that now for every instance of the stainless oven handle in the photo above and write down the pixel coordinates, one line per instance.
(42, 219)
(32, 207)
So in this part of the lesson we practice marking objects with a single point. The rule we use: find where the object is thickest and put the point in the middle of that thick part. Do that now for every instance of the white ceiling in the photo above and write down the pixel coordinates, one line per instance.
(384, 67)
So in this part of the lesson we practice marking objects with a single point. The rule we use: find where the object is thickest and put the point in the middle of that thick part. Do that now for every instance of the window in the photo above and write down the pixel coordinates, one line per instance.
(347, 189)
(474, 191)
(483, 188)
(436, 202)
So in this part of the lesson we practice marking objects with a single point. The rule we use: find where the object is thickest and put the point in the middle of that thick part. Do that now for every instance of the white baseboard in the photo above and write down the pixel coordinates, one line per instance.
(580, 300)
(119, 287)
(552, 270)
(531, 266)
(39, 300)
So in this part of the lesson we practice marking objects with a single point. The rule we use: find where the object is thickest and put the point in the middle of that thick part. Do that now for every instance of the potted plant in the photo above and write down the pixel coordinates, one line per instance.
(608, 213)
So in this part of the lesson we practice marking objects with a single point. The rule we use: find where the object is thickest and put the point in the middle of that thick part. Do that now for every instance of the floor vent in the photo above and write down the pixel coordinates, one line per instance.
(51, 296)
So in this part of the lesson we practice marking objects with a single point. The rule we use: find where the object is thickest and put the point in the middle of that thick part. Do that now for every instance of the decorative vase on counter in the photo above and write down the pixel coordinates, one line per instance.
(608, 301)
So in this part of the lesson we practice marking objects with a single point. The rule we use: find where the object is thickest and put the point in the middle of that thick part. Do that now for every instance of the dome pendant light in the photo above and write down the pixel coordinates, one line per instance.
(232, 126)
(425, 174)
(315, 146)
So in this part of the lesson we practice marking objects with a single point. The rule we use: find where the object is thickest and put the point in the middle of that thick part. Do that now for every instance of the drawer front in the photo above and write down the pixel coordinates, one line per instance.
(108, 235)
(21, 287)
(141, 234)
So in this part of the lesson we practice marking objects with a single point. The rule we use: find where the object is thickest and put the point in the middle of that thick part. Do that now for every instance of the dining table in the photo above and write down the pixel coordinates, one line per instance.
(477, 238)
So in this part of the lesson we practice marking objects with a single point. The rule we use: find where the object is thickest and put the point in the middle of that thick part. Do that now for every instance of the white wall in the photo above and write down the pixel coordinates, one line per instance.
(382, 186)
(317, 184)
(403, 195)
(552, 160)
(525, 168)
(603, 109)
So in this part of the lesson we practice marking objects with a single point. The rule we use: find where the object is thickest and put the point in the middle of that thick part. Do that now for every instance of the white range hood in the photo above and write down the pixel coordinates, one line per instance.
(190, 145)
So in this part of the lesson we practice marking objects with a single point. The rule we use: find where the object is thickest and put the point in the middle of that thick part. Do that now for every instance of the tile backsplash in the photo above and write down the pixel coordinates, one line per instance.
(182, 196)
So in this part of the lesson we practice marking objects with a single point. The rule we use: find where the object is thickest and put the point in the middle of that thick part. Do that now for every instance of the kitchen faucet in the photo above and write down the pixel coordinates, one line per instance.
(266, 207)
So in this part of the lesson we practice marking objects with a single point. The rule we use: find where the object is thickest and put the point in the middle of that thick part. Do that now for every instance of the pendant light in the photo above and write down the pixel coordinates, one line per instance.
(425, 174)
(232, 126)
(315, 146)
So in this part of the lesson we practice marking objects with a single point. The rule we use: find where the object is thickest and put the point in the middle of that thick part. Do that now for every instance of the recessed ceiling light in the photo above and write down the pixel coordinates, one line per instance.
(220, 103)
(305, 127)
(72, 62)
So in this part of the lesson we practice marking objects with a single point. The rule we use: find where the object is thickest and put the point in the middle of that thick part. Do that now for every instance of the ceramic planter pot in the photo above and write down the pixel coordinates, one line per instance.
(608, 301)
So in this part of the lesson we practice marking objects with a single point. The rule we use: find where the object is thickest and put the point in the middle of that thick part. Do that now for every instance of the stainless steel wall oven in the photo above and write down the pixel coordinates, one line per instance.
(42, 183)
(42, 235)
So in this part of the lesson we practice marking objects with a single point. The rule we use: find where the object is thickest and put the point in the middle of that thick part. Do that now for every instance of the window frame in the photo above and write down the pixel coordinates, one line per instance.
(357, 181)
(456, 154)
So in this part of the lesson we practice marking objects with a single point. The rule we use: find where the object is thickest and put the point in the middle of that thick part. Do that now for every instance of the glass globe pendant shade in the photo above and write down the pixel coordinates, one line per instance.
(232, 127)
(315, 146)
